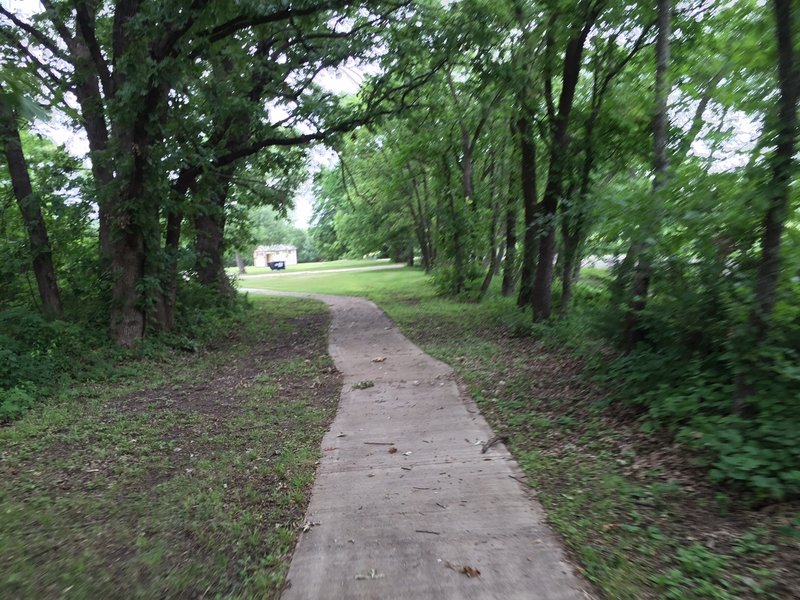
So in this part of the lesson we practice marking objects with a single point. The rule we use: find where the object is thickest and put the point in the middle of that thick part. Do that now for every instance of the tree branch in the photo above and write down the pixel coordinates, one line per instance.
(40, 36)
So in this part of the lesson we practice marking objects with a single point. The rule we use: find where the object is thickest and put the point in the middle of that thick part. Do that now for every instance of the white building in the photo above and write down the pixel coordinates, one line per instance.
(268, 254)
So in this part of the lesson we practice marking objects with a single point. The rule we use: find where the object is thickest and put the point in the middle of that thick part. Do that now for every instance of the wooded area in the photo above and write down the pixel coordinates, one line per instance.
(520, 139)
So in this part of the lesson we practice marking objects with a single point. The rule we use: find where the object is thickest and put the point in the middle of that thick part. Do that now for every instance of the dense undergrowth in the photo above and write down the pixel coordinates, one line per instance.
(39, 357)
(693, 375)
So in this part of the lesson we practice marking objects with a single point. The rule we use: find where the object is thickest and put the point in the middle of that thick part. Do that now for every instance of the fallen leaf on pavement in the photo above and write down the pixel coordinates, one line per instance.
(392, 450)
(308, 525)
(373, 574)
(464, 569)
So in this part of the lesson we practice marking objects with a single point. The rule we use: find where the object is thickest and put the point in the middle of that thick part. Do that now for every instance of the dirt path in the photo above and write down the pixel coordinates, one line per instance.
(405, 504)
(321, 271)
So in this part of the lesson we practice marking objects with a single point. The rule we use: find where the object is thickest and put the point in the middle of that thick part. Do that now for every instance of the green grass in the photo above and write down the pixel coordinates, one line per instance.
(631, 535)
(186, 477)
(397, 283)
(317, 266)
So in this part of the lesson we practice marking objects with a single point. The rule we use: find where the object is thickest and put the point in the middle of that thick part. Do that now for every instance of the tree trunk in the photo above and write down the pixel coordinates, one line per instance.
(530, 246)
(495, 252)
(572, 223)
(90, 100)
(783, 167)
(210, 229)
(509, 266)
(38, 241)
(631, 333)
(240, 264)
(457, 237)
(419, 215)
(458, 247)
(541, 297)
(127, 269)
(571, 241)
(167, 299)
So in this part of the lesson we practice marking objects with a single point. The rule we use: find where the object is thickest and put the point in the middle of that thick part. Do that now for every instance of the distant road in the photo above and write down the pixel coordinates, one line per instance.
(322, 271)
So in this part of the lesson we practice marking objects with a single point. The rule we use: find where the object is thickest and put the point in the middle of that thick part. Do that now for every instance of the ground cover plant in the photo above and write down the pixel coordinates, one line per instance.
(185, 475)
(636, 508)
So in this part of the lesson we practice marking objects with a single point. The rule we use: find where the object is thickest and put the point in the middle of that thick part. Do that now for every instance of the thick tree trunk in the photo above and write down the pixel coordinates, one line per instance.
(640, 285)
(240, 264)
(166, 301)
(210, 229)
(541, 297)
(38, 241)
(509, 262)
(127, 268)
(530, 246)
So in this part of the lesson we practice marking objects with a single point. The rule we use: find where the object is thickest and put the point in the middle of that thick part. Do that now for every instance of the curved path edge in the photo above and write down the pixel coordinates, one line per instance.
(414, 523)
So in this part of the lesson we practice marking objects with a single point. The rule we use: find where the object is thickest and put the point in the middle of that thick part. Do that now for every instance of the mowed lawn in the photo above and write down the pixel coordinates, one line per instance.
(180, 475)
(408, 282)
(317, 266)
(636, 515)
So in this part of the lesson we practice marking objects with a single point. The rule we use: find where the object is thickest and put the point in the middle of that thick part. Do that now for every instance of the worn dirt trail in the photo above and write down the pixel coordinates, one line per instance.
(394, 525)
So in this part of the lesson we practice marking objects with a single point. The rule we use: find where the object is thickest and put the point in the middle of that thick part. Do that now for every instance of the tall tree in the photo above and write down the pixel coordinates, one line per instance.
(642, 272)
(784, 167)
(559, 143)
(29, 206)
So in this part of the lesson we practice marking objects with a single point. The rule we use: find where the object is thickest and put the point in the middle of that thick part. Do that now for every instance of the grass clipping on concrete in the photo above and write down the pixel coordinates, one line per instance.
(188, 479)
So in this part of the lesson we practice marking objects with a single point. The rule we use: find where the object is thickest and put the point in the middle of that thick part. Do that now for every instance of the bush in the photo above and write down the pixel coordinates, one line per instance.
(753, 446)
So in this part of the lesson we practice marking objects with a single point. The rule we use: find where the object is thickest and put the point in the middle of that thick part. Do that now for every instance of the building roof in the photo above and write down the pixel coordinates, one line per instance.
(276, 248)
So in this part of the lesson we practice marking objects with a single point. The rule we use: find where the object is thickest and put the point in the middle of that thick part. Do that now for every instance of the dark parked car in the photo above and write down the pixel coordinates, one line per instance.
(277, 265)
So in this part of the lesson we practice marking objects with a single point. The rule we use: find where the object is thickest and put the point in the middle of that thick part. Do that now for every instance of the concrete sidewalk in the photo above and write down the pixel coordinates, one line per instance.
(419, 521)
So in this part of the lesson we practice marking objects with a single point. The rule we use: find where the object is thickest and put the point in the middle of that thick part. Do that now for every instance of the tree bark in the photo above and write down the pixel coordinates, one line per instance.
(87, 92)
(210, 229)
(541, 297)
(530, 246)
(420, 215)
(509, 262)
(783, 168)
(127, 268)
(28, 203)
(240, 264)
(167, 299)
(496, 252)
(640, 285)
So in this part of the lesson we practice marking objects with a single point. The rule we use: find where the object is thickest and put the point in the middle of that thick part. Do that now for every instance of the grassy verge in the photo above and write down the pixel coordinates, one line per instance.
(638, 518)
(186, 478)
(317, 266)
